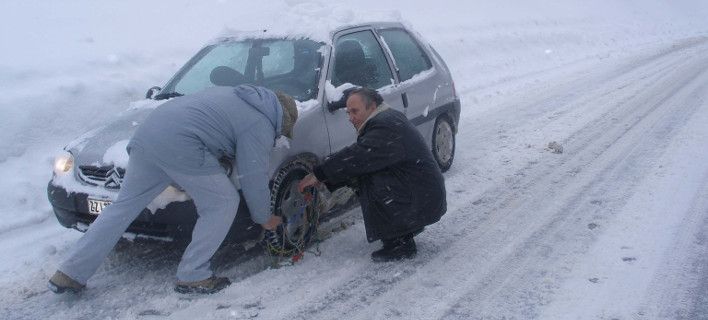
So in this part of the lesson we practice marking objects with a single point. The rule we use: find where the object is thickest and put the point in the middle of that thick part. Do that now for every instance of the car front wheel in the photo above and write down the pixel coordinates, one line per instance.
(299, 211)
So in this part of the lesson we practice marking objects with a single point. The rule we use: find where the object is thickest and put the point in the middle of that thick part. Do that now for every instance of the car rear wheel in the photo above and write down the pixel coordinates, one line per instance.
(299, 212)
(443, 142)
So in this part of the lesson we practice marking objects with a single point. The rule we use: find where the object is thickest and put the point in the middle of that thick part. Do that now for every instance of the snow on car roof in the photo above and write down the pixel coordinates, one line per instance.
(317, 24)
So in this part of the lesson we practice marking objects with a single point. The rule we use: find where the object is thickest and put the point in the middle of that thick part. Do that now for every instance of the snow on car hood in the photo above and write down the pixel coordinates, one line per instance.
(117, 154)
(106, 145)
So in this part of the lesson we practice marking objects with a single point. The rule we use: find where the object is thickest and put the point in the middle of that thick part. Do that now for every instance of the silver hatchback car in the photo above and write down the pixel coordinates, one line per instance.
(388, 57)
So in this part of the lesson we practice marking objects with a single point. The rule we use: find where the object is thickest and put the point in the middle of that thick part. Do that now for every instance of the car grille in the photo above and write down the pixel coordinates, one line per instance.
(109, 177)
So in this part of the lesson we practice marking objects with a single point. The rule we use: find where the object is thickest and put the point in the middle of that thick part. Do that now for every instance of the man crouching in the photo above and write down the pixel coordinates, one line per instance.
(399, 184)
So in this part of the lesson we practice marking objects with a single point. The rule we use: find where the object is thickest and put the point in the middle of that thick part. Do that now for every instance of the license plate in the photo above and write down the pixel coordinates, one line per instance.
(95, 206)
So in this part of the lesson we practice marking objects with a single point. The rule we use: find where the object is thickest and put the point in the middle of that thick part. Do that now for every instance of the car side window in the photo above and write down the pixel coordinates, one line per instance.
(409, 56)
(359, 60)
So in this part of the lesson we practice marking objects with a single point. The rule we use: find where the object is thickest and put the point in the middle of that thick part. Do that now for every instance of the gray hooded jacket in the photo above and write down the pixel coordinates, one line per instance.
(188, 134)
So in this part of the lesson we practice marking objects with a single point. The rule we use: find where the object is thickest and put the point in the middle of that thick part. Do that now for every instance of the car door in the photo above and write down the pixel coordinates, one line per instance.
(417, 81)
(357, 58)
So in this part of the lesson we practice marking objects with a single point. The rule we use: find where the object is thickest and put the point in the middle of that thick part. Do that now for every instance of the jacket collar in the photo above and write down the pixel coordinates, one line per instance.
(381, 108)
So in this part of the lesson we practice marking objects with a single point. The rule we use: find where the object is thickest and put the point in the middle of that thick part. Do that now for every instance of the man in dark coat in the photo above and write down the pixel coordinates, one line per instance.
(399, 184)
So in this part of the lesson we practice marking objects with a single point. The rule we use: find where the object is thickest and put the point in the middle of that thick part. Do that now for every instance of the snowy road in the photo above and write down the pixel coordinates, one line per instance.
(615, 227)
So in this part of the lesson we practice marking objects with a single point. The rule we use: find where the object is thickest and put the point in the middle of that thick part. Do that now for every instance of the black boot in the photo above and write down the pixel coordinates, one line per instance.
(395, 249)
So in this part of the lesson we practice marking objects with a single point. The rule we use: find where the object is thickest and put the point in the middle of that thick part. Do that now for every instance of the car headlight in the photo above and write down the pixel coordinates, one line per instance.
(63, 163)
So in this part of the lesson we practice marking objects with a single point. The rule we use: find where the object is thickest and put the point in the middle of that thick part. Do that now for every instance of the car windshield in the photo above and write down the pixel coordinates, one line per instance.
(290, 66)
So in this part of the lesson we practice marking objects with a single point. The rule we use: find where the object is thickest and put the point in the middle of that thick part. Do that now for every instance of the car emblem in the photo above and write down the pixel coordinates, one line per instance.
(113, 179)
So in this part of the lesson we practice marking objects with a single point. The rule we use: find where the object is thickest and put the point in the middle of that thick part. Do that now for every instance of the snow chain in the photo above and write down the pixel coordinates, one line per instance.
(276, 245)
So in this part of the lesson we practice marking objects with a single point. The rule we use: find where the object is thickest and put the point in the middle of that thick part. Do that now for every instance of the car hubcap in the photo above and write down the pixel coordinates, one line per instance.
(444, 141)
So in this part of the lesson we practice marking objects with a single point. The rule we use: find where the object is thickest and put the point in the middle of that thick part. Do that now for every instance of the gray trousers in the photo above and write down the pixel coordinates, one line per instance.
(216, 200)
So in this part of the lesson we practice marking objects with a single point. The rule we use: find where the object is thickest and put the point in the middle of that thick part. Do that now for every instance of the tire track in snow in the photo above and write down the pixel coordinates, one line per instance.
(679, 289)
(696, 294)
(520, 280)
(536, 116)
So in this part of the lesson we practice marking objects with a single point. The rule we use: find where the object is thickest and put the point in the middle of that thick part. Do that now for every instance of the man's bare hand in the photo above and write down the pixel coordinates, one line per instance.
(273, 222)
(308, 181)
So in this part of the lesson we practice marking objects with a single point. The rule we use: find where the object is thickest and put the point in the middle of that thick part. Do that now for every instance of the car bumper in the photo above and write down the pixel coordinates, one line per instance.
(456, 108)
(175, 221)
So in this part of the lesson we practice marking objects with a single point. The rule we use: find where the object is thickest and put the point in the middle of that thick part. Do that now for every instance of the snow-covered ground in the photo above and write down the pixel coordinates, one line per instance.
(615, 227)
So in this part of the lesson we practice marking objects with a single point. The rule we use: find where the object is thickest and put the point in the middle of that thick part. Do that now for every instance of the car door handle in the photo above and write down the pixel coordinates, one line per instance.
(404, 97)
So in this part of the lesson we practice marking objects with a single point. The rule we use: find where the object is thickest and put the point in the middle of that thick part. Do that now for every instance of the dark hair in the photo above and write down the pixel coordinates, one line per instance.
(368, 95)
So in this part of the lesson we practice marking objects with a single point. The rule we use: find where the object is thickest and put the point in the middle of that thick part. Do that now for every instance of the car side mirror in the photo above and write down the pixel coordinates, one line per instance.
(152, 91)
(336, 105)
(333, 106)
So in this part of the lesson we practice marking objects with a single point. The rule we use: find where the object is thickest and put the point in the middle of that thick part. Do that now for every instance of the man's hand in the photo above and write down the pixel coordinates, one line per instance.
(272, 223)
(308, 181)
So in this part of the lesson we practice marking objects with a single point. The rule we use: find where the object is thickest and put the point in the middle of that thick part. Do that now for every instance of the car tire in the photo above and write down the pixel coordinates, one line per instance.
(443, 143)
(299, 217)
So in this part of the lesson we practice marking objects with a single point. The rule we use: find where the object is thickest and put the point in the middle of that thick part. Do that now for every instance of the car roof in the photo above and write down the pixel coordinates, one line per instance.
(377, 24)
(323, 33)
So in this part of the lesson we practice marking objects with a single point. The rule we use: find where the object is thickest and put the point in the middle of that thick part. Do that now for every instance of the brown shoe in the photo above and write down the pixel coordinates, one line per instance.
(60, 282)
(207, 286)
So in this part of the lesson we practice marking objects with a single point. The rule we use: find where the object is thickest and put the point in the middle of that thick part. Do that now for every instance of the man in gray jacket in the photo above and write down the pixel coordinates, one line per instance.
(180, 143)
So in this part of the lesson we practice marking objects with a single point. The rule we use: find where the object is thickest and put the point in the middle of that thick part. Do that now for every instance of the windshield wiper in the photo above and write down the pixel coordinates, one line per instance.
(167, 95)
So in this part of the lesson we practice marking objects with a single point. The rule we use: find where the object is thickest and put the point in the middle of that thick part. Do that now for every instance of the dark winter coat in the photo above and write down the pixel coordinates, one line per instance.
(400, 186)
